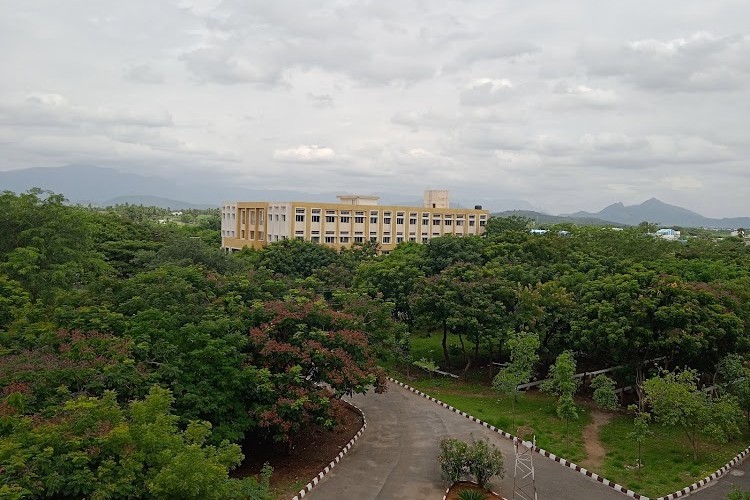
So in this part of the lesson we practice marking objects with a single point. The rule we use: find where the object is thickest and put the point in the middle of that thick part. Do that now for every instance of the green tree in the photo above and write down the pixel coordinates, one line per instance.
(677, 401)
(562, 382)
(604, 392)
(640, 432)
(523, 349)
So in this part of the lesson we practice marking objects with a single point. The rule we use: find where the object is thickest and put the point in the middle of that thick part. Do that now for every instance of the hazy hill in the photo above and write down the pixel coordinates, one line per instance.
(657, 211)
(100, 186)
(155, 201)
(557, 219)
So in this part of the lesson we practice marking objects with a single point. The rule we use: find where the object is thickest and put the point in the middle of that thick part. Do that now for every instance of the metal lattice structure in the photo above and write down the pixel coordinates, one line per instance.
(524, 481)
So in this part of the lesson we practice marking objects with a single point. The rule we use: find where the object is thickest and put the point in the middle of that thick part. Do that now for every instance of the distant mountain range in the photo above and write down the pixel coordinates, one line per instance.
(543, 218)
(102, 186)
(661, 213)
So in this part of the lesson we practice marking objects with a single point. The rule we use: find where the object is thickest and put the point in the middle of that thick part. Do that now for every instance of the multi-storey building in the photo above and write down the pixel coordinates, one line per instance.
(355, 219)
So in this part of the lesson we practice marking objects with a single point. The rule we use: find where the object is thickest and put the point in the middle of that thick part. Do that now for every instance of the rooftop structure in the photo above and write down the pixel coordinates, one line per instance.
(355, 219)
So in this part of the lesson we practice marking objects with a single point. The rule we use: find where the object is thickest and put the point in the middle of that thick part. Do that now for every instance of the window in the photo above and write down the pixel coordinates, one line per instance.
(276, 217)
(299, 218)
(316, 218)
(425, 239)
(315, 239)
(242, 234)
(330, 239)
(344, 239)
(330, 218)
(413, 239)
(399, 220)
(374, 239)
(386, 239)
(436, 234)
(252, 217)
(413, 222)
(345, 220)
(260, 216)
(471, 223)
(359, 239)
(373, 220)
(459, 222)
(299, 231)
(425, 222)
(283, 217)
(297, 237)
(359, 220)
(482, 223)
(448, 222)
(261, 236)
(399, 239)
(252, 235)
(242, 216)
(386, 220)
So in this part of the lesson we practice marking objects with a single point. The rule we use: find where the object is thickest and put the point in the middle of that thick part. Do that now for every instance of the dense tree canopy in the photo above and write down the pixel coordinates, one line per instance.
(145, 353)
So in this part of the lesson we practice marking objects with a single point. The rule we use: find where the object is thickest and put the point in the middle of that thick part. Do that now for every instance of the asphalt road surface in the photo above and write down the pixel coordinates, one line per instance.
(396, 457)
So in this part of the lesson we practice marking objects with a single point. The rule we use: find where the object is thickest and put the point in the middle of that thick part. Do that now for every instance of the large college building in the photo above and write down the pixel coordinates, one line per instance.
(355, 219)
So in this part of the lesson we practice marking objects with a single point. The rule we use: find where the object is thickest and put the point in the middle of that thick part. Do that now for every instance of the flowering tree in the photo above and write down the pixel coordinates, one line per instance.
(310, 358)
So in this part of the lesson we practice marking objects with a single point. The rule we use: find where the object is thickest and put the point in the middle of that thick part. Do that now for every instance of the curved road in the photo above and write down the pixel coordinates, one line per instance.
(396, 457)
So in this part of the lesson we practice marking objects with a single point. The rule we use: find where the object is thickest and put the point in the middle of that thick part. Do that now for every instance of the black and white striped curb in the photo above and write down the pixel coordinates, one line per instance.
(309, 486)
(716, 475)
(551, 456)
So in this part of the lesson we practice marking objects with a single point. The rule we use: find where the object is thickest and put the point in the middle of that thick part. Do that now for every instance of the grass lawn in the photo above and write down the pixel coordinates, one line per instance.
(667, 457)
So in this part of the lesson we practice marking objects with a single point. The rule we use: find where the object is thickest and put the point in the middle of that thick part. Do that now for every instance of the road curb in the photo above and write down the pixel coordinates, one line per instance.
(545, 453)
(314, 482)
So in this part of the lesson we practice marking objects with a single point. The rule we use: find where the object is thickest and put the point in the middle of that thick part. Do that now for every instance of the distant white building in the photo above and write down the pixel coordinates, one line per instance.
(668, 234)
(176, 214)
(538, 231)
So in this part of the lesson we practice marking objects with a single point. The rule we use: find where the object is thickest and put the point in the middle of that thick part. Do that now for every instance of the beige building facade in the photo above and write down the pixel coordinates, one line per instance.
(355, 219)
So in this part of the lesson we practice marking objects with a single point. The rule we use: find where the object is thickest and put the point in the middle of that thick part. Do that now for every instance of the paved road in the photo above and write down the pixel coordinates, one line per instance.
(396, 457)
(739, 477)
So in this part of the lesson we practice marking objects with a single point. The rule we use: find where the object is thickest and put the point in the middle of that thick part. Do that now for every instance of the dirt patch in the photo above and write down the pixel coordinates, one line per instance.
(594, 449)
(312, 452)
(465, 485)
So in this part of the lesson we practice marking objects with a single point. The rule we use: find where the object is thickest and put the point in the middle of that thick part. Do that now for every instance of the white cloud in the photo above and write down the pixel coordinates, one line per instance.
(486, 91)
(305, 154)
(683, 183)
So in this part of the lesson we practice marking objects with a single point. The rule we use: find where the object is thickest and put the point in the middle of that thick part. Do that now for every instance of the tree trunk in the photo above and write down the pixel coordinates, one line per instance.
(492, 375)
(463, 347)
(639, 459)
(445, 344)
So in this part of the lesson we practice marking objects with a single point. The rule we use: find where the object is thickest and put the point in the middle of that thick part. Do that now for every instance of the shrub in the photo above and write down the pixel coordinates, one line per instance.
(604, 392)
(459, 460)
(471, 495)
(485, 462)
(453, 459)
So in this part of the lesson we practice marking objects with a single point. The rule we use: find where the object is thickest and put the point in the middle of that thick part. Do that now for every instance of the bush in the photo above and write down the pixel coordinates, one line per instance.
(471, 495)
(604, 392)
(453, 459)
(479, 460)
(485, 462)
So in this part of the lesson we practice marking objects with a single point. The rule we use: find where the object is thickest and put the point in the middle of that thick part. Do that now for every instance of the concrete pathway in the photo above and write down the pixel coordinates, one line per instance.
(396, 457)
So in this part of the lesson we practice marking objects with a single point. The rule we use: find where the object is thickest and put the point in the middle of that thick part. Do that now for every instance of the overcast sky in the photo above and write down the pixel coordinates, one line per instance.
(568, 105)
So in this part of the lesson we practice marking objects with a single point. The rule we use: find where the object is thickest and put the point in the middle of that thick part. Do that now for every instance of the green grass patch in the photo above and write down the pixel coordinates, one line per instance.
(534, 410)
(668, 463)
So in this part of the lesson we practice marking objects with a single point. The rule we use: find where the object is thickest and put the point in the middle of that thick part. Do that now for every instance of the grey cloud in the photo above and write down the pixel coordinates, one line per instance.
(143, 73)
(320, 101)
(701, 62)
(486, 92)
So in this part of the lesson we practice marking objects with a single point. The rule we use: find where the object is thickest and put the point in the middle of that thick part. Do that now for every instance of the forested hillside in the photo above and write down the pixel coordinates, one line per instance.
(134, 354)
